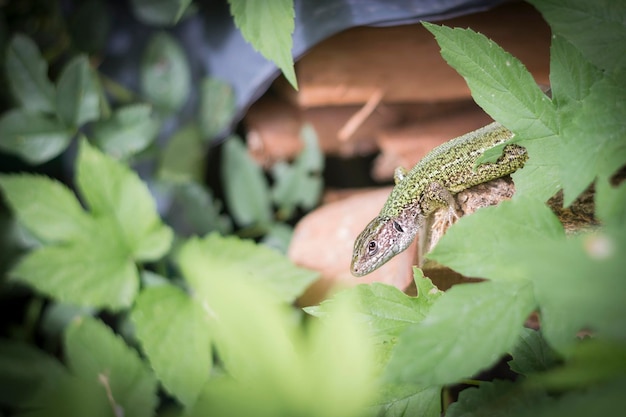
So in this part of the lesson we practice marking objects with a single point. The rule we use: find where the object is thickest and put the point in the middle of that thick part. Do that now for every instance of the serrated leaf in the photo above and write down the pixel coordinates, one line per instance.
(485, 320)
(268, 28)
(77, 99)
(596, 28)
(112, 189)
(217, 107)
(182, 160)
(173, 331)
(579, 285)
(593, 137)
(27, 74)
(67, 272)
(165, 73)
(245, 187)
(213, 259)
(60, 219)
(100, 358)
(502, 86)
(159, 12)
(34, 137)
(130, 130)
(532, 354)
(494, 252)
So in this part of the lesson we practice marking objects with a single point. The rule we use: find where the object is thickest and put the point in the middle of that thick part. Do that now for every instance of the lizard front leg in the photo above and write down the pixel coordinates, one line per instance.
(434, 198)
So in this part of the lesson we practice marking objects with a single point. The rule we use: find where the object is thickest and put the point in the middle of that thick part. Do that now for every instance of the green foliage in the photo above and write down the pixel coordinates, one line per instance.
(268, 27)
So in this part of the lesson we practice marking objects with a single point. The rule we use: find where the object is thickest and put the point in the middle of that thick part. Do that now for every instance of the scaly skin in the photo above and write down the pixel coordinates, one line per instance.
(446, 170)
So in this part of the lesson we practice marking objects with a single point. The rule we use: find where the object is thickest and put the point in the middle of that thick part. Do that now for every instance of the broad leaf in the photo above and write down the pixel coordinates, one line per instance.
(34, 137)
(182, 160)
(485, 319)
(165, 73)
(408, 400)
(174, 333)
(78, 98)
(128, 131)
(532, 354)
(100, 358)
(268, 27)
(27, 75)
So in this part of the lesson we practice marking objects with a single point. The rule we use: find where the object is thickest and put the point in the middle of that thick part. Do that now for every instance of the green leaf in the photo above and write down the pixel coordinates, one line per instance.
(174, 333)
(496, 252)
(299, 183)
(245, 187)
(278, 237)
(408, 400)
(268, 28)
(78, 99)
(27, 75)
(502, 86)
(182, 159)
(25, 372)
(579, 285)
(485, 319)
(212, 260)
(496, 399)
(165, 73)
(272, 348)
(194, 211)
(128, 131)
(160, 12)
(610, 203)
(589, 362)
(593, 137)
(217, 107)
(89, 25)
(596, 28)
(34, 137)
(532, 354)
(67, 272)
(112, 189)
(100, 358)
(60, 219)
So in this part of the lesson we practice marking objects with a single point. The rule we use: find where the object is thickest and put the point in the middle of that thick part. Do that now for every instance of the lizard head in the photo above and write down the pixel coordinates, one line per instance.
(382, 239)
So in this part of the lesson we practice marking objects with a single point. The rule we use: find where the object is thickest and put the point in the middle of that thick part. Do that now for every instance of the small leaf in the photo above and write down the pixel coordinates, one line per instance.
(159, 12)
(182, 160)
(532, 354)
(268, 28)
(129, 131)
(34, 137)
(217, 107)
(78, 99)
(100, 358)
(245, 187)
(60, 219)
(27, 74)
(165, 73)
(485, 320)
(174, 333)
(223, 258)
(110, 188)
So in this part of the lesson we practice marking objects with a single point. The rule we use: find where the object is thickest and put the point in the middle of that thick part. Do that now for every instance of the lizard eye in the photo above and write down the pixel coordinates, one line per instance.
(372, 248)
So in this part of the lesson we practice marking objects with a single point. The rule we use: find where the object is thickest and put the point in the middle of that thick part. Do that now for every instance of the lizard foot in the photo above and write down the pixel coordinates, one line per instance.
(443, 219)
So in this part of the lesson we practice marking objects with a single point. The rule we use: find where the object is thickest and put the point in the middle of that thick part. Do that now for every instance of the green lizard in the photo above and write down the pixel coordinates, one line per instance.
(446, 170)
